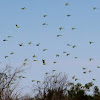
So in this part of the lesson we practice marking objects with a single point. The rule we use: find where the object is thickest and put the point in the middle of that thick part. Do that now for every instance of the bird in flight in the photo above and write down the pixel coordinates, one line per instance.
(38, 44)
(76, 57)
(59, 35)
(6, 56)
(73, 46)
(60, 28)
(67, 54)
(23, 8)
(44, 24)
(66, 4)
(11, 53)
(44, 15)
(57, 55)
(68, 45)
(90, 59)
(9, 36)
(64, 52)
(30, 43)
(21, 44)
(43, 61)
(33, 56)
(94, 8)
(5, 40)
(73, 28)
(17, 26)
(68, 15)
(45, 49)
(91, 42)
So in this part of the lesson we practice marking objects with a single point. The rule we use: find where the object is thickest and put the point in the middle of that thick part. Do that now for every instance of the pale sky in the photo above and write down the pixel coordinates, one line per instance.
(83, 17)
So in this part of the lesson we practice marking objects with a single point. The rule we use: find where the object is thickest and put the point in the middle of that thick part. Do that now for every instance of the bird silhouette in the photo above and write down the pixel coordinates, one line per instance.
(90, 42)
(21, 44)
(44, 15)
(60, 28)
(23, 8)
(17, 26)
(68, 45)
(45, 49)
(66, 4)
(11, 53)
(43, 61)
(73, 28)
(94, 8)
(57, 55)
(6, 56)
(5, 40)
(44, 24)
(38, 44)
(59, 35)
(68, 15)
(90, 59)
(30, 43)
(67, 54)
(73, 46)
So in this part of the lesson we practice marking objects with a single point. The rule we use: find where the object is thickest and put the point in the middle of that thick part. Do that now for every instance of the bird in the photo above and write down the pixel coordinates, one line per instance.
(93, 79)
(84, 68)
(24, 64)
(53, 70)
(90, 59)
(30, 43)
(57, 55)
(38, 81)
(67, 54)
(76, 79)
(5, 40)
(44, 24)
(59, 35)
(33, 56)
(11, 53)
(73, 46)
(38, 44)
(43, 61)
(46, 73)
(35, 60)
(23, 8)
(68, 45)
(73, 77)
(60, 28)
(90, 71)
(33, 80)
(45, 49)
(73, 28)
(6, 56)
(84, 72)
(44, 15)
(91, 42)
(68, 15)
(75, 57)
(26, 59)
(98, 66)
(94, 8)
(66, 4)
(9, 36)
(21, 44)
(64, 52)
(54, 62)
(17, 26)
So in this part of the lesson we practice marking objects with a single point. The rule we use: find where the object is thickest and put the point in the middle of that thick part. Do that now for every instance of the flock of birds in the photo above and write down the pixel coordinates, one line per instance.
(56, 55)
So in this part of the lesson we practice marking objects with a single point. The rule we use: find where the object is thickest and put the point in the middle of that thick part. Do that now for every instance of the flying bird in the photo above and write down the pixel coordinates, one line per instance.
(94, 8)
(60, 28)
(73, 28)
(5, 40)
(44, 15)
(91, 42)
(43, 61)
(38, 44)
(73, 46)
(44, 24)
(23, 8)
(90, 59)
(90, 71)
(67, 54)
(11, 53)
(9, 36)
(64, 52)
(6, 56)
(59, 35)
(54, 62)
(68, 15)
(35, 60)
(30, 43)
(26, 59)
(21, 44)
(57, 55)
(33, 56)
(68, 45)
(76, 57)
(17, 26)
(45, 49)
(66, 4)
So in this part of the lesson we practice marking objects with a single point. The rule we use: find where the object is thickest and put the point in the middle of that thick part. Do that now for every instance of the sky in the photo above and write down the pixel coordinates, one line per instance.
(83, 17)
